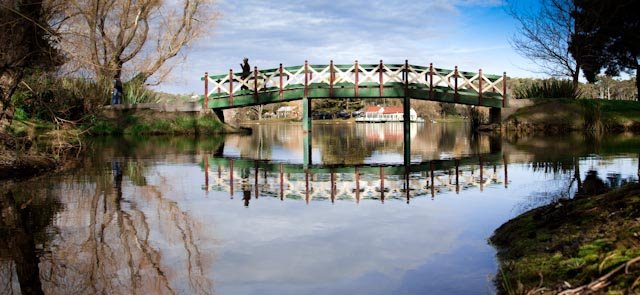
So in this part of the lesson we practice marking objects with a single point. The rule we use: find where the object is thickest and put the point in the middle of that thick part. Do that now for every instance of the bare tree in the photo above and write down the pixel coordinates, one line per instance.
(125, 39)
(544, 34)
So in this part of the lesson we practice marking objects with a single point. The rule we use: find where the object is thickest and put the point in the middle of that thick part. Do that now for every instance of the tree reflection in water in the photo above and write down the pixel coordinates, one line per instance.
(571, 182)
(104, 242)
(356, 143)
(25, 228)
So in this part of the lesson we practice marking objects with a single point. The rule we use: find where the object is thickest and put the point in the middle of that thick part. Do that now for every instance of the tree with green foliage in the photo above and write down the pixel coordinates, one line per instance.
(27, 44)
(611, 29)
(337, 105)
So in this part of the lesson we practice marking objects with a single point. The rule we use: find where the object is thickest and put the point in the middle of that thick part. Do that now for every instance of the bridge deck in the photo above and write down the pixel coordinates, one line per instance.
(353, 81)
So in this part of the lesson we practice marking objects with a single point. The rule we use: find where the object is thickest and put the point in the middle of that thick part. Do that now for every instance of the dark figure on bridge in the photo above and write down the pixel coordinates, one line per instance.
(246, 71)
(116, 97)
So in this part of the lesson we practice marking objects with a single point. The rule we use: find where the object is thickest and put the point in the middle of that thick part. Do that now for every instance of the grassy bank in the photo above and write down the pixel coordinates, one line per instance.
(451, 119)
(582, 244)
(297, 121)
(576, 115)
(154, 124)
(31, 147)
(270, 121)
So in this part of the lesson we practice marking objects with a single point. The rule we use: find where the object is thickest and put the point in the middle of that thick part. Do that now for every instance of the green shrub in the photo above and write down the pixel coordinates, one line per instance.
(20, 114)
(18, 130)
(549, 88)
(103, 127)
(45, 96)
(134, 92)
(592, 115)
(208, 123)
(138, 129)
(92, 92)
(184, 123)
(161, 126)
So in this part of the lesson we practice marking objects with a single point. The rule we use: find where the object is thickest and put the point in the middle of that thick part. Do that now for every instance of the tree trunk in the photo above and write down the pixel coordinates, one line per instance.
(8, 84)
(576, 76)
(637, 82)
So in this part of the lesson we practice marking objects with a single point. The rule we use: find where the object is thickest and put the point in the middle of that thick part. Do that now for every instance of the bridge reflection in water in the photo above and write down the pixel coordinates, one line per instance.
(261, 178)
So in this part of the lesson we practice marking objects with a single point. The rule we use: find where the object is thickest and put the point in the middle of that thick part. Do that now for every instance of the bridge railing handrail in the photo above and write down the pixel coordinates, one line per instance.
(347, 66)
(283, 78)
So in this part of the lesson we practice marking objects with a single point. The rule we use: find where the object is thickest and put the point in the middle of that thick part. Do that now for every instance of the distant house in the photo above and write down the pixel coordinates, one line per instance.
(269, 115)
(372, 112)
(286, 112)
(386, 114)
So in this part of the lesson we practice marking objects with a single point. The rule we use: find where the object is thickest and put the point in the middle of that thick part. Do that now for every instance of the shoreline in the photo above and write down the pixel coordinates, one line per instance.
(577, 243)
(25, 160)
(557, 116)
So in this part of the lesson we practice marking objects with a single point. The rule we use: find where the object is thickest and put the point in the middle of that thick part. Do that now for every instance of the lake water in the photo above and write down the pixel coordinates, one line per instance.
(342, 210)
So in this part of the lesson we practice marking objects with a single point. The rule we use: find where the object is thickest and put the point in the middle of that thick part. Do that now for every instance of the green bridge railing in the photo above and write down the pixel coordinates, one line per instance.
(355, 80)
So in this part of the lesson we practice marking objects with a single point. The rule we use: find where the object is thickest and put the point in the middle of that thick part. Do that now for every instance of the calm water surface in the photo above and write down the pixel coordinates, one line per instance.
(270, 214)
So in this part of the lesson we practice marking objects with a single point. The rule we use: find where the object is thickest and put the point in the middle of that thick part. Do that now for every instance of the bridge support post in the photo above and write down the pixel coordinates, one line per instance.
(205, 106)
(495, 115)
(306, 114)
(406, 116)
(219, 151)
(495, 143)
(307, 161)
(206, 172)
(506, 171)
(406, 120)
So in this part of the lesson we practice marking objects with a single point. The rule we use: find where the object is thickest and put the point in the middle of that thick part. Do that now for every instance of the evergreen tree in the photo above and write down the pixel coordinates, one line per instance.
(611, 29)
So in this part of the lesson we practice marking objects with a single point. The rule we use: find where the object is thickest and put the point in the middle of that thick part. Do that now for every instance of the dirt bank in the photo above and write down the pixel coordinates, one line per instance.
(571, 244)
(561, 115)
(14, 167)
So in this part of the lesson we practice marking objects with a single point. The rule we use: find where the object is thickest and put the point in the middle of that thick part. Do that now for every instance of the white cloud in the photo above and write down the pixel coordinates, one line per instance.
(290, 32)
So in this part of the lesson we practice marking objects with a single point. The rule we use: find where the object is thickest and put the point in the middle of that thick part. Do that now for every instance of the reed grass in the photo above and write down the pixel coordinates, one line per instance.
(549, 88)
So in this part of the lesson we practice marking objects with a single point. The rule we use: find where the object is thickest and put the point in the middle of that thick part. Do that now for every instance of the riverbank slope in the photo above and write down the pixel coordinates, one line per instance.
(32, 148)
(561, 115)
(148, 121)
(580, 245)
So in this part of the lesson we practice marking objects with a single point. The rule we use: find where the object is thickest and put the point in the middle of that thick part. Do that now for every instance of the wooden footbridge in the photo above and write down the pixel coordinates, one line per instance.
(346, 81)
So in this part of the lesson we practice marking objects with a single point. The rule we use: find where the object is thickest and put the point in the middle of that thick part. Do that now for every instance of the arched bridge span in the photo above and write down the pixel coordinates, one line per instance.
(308, 81)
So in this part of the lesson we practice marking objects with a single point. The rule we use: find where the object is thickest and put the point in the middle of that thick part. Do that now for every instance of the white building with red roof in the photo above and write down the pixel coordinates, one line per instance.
(387, 114)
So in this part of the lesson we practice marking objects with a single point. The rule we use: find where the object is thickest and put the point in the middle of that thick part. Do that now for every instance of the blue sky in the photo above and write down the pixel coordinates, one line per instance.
(472, 34)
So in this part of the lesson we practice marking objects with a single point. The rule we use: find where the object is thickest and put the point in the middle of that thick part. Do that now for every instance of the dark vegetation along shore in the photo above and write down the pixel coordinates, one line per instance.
(589, 244)
(31, 147)
(562, 115)
(586, 245)
(17, 162)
